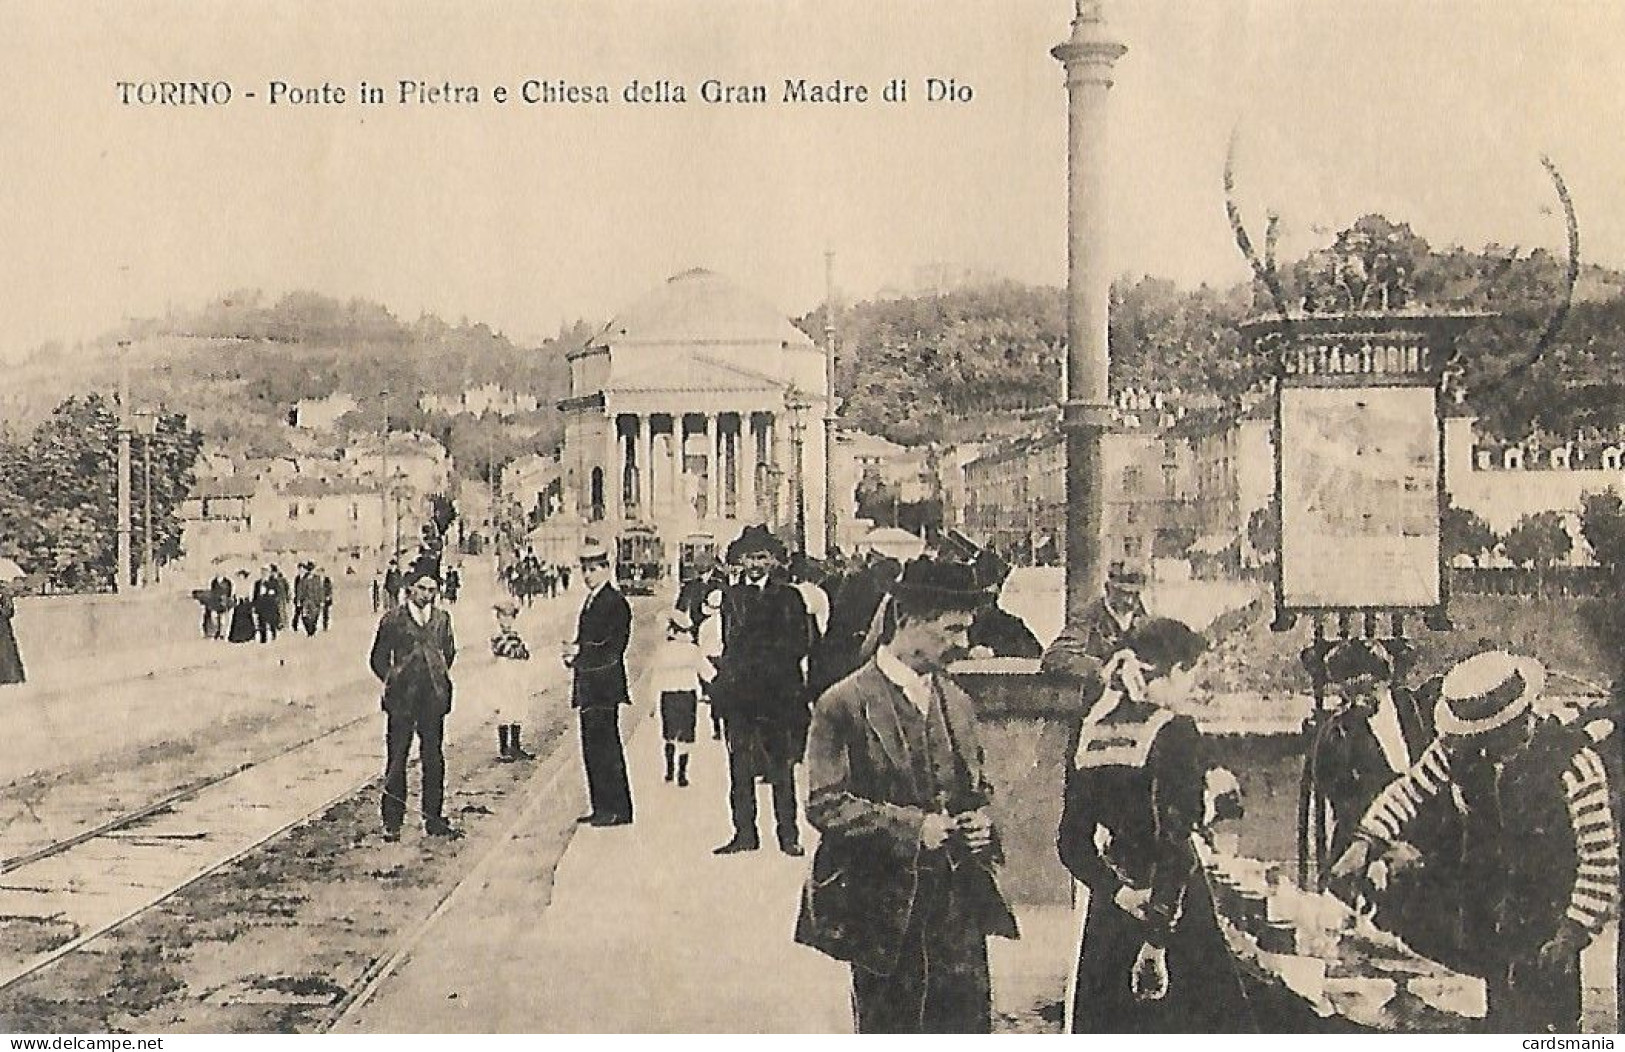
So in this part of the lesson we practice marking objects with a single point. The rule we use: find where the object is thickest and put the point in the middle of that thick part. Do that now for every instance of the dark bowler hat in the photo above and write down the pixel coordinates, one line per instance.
(945, 585)
(420, 572)
(755, 538)
(1122, 575)
(1487, 691)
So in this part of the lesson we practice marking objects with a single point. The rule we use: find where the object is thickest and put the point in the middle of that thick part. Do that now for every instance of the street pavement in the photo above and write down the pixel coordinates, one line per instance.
(640, 929)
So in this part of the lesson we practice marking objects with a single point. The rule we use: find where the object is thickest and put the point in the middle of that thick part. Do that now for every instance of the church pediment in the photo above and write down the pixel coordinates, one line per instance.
(690, 372)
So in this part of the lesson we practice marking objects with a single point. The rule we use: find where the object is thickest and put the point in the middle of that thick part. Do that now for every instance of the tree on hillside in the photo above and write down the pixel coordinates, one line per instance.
(1264, 532)
(1538, 541)
(1463, 531)
(1602, 522)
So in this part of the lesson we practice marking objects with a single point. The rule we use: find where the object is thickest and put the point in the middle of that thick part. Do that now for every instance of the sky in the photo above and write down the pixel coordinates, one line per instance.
(1435, 112)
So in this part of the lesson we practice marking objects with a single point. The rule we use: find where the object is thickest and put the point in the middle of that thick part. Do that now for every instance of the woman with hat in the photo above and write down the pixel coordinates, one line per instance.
(679, 669)
(1152, 958)
(1538, 840)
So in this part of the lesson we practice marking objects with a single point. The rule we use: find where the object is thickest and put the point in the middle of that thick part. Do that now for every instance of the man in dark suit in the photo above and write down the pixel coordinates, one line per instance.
(598, 659)
(412, 656)
(761, 691)
(903, 885)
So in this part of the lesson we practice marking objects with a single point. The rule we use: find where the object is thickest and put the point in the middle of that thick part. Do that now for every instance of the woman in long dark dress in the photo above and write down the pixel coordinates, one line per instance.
(1152, 958)
(242, 612)
(11, 659)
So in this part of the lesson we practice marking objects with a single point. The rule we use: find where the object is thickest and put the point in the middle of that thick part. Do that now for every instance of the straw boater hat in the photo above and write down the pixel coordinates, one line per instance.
(1487, 691)
(592, 552)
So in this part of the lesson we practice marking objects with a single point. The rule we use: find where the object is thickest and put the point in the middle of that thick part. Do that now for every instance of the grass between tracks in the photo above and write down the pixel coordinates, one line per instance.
(271, 942)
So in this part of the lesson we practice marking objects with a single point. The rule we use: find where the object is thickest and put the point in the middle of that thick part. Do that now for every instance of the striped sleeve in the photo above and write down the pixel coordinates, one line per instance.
(1596, 878)
(1394, 808)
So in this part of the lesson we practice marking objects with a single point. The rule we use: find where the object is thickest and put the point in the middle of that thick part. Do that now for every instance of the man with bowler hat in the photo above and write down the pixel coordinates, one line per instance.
(761, 691)
(904, 884)
(412, 656)
(597, 658)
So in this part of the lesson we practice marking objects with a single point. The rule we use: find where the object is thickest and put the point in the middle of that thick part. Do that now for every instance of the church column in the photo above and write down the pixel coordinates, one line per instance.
(712, 511)
(674, 487)
(650, 480)
(747, 469)
(730, 466)
(615, 485)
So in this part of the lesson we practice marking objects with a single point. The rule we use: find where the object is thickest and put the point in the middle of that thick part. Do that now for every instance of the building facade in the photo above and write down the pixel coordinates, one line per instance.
(698, 410)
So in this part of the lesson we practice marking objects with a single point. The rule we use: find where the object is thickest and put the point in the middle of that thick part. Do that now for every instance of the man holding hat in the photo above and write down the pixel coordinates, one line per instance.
(1538, 839)
(760, 690)
(412, 656)
(598, 659)
(903, 885)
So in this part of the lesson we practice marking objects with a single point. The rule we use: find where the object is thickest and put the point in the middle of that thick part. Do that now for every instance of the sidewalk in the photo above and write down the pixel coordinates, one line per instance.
(640, 928)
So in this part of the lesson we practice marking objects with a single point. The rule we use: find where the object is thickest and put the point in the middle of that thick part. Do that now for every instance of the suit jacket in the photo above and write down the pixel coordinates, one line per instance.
(765, 634)
(414, 662)
(1351, 766)
(866, 800)
(603, 630)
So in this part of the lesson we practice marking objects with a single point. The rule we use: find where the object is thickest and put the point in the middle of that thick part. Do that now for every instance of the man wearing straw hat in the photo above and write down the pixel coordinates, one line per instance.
(1538, 845)
(597, 657)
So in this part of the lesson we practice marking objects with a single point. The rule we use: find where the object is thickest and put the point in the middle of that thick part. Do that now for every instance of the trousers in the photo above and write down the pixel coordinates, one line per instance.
(758, 749)
(402, 727)
(941, 983)
(605, 761)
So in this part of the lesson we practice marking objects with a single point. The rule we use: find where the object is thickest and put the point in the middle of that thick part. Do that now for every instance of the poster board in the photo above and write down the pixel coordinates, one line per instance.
(1359, 497)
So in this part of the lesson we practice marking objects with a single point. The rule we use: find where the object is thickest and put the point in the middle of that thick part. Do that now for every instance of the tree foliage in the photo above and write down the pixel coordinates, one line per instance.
(1464, 532)
(1602, 522)
(59, 492)
(1538, 540)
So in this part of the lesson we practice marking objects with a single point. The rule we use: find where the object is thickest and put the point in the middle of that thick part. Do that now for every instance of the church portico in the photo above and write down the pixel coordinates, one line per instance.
(701, 410)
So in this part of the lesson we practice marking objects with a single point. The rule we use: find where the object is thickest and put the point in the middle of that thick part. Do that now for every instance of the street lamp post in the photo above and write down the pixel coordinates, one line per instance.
(830, 522)
(797, 405)
(121, 572)
(146, 425)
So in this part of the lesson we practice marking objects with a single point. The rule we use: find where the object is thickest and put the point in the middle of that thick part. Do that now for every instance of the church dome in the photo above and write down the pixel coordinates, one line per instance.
(702, 307)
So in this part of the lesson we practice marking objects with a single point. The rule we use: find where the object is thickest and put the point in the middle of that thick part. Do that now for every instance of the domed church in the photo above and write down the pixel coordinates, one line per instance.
(699, 409)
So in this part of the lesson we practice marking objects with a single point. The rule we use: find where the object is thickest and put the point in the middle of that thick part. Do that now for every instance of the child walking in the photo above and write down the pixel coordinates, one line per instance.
(678, 670)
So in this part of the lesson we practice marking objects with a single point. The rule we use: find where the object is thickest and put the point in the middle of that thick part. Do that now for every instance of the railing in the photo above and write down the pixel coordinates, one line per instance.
(1578, 581)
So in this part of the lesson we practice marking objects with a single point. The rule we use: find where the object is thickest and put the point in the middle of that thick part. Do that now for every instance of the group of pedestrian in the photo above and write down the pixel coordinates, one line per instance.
(1510, 811)
(529, 578)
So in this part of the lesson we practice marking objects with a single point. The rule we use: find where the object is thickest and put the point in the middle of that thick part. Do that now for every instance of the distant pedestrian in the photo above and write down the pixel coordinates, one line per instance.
(1084, 647)
(266, 607)
(11, 659)
(412, 655)
(307, 598)
(284, 599)
(242, 627)
(393, 582)
(377, 592)
(679, 669)
(217, 607)
(327, 599)
(598, 659)
(512, 656)
(709, 640)
(454, 583)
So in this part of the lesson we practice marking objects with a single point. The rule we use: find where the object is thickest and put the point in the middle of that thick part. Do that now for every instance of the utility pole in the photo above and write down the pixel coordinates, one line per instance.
(121, 575)
(830, 520)
(389, 489)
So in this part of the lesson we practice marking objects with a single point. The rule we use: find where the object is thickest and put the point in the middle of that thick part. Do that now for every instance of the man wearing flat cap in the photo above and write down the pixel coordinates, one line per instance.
(1084, 647)
(1538, 844)
(760, 690)
(412, 656)
(597, 658)
(903, 885)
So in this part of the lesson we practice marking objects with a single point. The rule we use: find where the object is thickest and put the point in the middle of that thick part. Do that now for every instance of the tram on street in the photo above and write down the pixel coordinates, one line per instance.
(640, 559)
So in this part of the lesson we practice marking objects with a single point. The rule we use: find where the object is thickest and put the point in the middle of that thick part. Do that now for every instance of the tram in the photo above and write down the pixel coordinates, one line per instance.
(640, 559)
